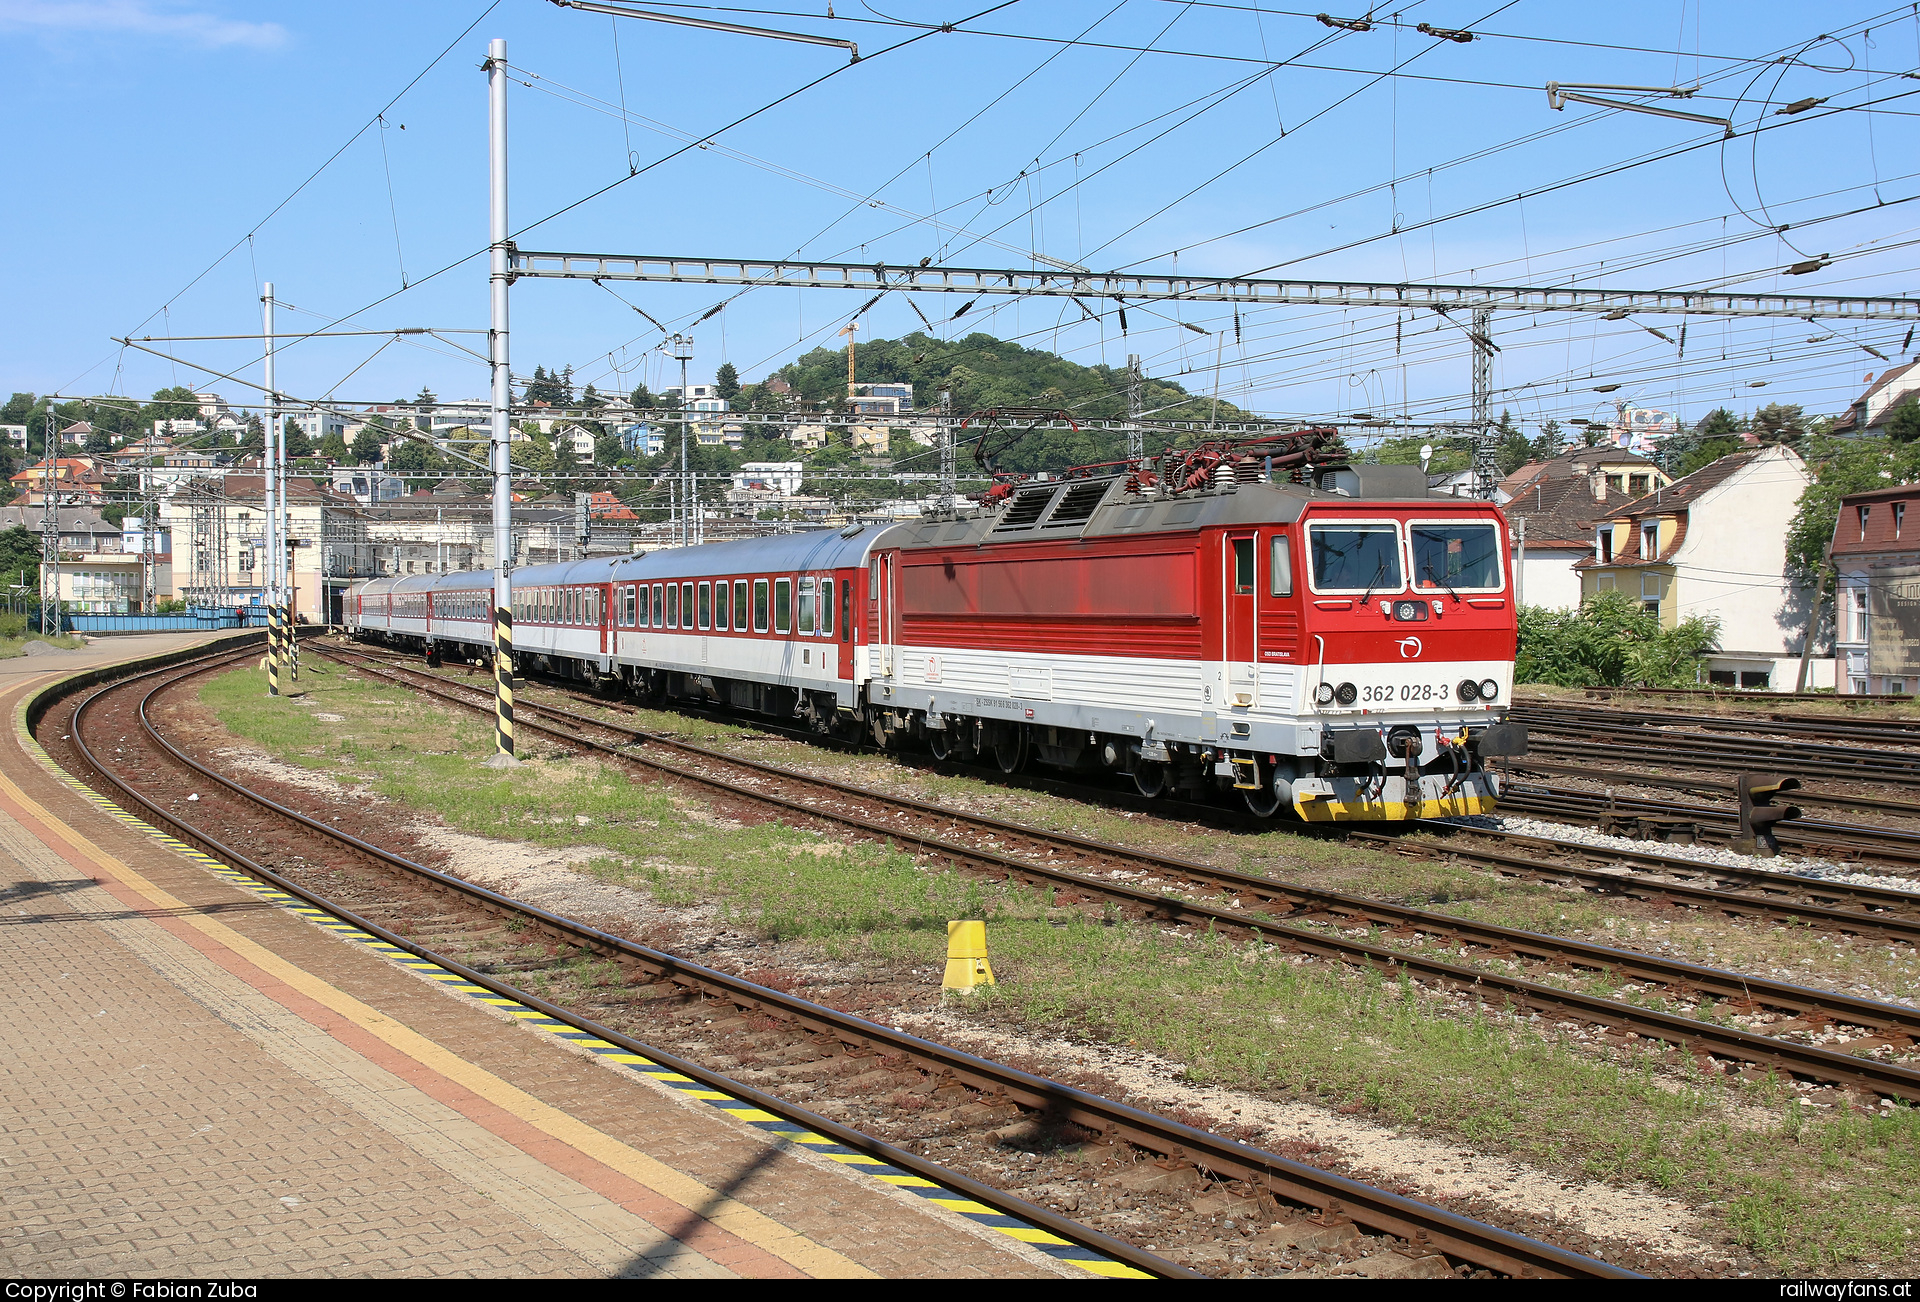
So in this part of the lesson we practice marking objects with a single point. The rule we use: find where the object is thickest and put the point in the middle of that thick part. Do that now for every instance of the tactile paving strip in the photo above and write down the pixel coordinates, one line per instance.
(781, 1129)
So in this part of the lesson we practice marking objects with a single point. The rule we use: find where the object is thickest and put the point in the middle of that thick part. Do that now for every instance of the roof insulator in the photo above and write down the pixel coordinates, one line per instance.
(1444, 33)
(1348, 24)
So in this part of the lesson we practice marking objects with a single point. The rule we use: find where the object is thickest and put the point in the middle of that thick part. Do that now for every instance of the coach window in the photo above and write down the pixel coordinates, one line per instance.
(1455, 557)
(1243, 567)
(659, 611)
(629, 605)
(686, 605)
(740, 605)
(673, 605)
(826, 608)
(1362, 558)
(846, 612)
(706, 605)
(782, 604)
(806, 606)
(759, 605)
(720, 605)
(1280, 568)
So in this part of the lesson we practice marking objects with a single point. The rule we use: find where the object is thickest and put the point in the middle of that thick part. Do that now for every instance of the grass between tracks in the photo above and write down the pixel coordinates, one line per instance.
(1806, 1188)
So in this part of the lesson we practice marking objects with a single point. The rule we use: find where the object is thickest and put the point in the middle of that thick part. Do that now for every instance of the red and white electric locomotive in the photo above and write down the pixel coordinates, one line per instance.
(1340, 649)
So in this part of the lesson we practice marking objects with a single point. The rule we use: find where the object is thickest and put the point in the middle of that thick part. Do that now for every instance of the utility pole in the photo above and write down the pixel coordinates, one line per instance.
(1136, 437)
(50, 527)
(276, 553)
(1484, 476)
(948, 485)
(499, 279)
(682, 352)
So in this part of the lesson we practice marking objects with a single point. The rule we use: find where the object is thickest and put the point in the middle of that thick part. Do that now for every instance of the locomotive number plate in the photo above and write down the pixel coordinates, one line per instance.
(1408, 692)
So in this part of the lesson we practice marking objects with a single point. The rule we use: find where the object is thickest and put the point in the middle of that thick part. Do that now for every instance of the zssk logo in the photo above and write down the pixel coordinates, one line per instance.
(1409, 648)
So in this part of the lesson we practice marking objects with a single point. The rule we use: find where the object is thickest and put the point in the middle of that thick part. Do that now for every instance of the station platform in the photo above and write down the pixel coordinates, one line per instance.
(198, 1081)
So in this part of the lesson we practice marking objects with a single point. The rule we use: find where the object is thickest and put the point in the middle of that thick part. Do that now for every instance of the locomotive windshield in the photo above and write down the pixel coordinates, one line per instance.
(1450, 556)
(1356, 558)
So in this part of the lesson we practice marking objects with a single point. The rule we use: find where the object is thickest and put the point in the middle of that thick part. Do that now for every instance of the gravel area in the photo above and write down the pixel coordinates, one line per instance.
(1818, 869)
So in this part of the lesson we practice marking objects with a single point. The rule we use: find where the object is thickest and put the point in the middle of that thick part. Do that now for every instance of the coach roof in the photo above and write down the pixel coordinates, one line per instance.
(817, 549)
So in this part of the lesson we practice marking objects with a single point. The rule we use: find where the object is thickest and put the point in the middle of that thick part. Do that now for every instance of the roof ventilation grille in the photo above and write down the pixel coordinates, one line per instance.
(1078, 502)
(1026, 508)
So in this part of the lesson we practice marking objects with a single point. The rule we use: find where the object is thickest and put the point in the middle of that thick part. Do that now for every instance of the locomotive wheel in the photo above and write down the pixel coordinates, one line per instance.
(1010, 752)
(1150, 779)
(939, 743)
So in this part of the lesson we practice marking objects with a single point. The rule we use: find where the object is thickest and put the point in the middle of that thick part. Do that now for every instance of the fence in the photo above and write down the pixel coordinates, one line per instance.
(193, 620)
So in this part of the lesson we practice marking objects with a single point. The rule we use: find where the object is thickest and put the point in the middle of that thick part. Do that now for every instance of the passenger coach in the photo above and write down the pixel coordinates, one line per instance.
(1343, 651)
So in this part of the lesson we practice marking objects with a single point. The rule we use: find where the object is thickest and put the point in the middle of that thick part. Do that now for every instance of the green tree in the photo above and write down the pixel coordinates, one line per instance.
(1610, 641)
(1904, 426)
(1705, 454)
(1780, 423)
(534, 455)
(1548, 445)
(19, 556)
(334, 447)
(366, 443)
(1512, 449)
(642, 397)
(256, 437)
(298, 444)
(726, 381)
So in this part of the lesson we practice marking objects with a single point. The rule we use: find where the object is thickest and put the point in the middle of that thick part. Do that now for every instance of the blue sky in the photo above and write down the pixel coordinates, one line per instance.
(149, 136)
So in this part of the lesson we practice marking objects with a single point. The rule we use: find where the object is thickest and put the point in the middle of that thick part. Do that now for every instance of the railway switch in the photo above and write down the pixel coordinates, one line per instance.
(1758, 813)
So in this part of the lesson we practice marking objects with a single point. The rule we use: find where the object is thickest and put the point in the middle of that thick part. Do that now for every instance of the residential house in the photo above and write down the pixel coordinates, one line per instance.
(100, 571)
(1870, 412)
(74, 478)
(1877, 601)
(1715, 543)
(1624, 473)
(781, 477)
(13, 436)
(577, 439)
(1551, 522)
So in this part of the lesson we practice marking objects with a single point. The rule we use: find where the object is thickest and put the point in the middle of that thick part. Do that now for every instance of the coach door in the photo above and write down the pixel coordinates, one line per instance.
(880, 605)
(1239, 621)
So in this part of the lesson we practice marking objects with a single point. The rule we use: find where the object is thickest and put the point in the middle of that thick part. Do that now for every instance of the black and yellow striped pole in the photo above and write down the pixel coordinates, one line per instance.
(503, 681)
(273, 650)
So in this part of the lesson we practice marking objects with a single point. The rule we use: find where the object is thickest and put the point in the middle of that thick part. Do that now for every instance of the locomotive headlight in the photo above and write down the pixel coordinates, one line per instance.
(1468, 690)
(1346, 693)
(1488, 689)
(1323, 694)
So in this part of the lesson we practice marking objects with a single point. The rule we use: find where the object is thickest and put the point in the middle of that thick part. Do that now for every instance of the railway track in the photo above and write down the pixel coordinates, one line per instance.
(1889, 849)
(430, 913)
(1874, 912)
(1722, 754)
(1891, 732)
(1303, 920)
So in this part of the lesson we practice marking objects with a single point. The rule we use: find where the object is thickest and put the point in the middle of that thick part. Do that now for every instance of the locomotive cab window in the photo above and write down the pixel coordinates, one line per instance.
(1451, 557)
(1242, 567)
(1362, 558)
(782, 605)
(706, 605)
(1280, 567)
(759, 605)
(807, 599)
